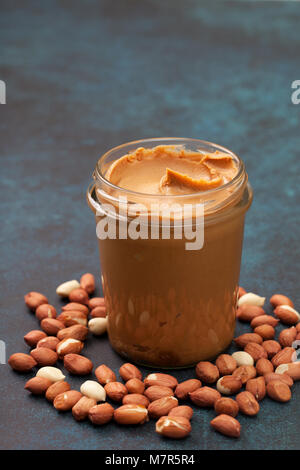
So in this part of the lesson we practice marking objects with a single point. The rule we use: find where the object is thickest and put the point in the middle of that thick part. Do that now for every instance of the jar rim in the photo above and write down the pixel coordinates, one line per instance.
(98, 174)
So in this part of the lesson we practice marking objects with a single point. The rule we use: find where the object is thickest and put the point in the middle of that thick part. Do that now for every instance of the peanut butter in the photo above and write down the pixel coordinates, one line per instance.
(171, 170)
(167, 306)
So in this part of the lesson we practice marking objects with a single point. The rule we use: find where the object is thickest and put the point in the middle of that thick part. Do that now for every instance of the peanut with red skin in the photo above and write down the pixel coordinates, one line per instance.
(257, 387)
(95, 302)
(33, 337)
(246, 338)
(34, 299)
(226, 425)
(79, 295)
(264, 320)
(101, 414)
(183, 411)
(264, 366)
(279, 391)
(135, 399)
(87, 282)
(45, 311)
(279, 299)
(265, 331)
(135, 386)
(226, 364)
(129, 371)
(205, 397)
(247, 313)
(22, 362)
(248, 405)
(207, 372)
(271, 347)
(255, 350)
(287, 336)
(227, 406)
(184, 388)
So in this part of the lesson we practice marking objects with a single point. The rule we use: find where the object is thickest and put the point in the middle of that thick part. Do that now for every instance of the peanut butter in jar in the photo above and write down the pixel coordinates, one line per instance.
(171, 300)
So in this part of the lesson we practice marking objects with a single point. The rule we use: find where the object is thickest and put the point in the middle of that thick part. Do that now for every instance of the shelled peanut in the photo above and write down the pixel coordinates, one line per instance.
(262, 366)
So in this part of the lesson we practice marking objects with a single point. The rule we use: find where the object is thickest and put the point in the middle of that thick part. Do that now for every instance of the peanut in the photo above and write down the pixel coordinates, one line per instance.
(184, 388)
(38, 385)
(98, 326)
(87, 282)
(248, 405)
(33, 337)
(101, 414)
(64, 289)
(279, 299)
(34, 299)
(56, 388)
(22, 362)
(205, 397)
(257, 387)
(174, 427)
(135, 399)
(181, 411)
(279, 391)
(115, 391)
(264, 366)
(227, 364)
(129, 371)
(229, 385)
(226, 425)
(265, 331)
(45, 311)
(44, 356)
(92, 389)
(81, 409)
(207, 372)
(271, 347)
(79, 296)
(247, 313)
(246, 338)
(66, 400)
(77, 364)
(256, 351)
(105, 375)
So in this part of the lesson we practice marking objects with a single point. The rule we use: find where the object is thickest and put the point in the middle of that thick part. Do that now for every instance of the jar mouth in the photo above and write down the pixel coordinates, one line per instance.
(99, 174)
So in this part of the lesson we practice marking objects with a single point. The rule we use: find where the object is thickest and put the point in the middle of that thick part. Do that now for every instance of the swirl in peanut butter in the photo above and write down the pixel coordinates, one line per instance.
(171, 170)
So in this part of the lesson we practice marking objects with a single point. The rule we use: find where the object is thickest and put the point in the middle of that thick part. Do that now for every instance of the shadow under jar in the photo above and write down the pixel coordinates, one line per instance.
(168, 306)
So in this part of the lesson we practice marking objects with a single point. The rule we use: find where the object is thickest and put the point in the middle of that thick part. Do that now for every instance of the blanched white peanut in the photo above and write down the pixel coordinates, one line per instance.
(243, 358)
(251, 299)
(52, 373)
(66, 288)
(98, 326)
(92, 389)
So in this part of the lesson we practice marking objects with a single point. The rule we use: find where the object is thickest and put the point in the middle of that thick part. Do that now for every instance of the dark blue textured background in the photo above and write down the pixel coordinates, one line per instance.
(85, 76)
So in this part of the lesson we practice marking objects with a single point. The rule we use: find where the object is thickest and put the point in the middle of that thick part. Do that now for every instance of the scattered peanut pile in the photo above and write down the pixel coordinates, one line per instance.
(263, 366)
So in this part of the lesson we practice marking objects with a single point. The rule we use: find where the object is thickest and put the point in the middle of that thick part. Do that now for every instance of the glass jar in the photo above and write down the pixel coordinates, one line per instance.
(168, 306)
